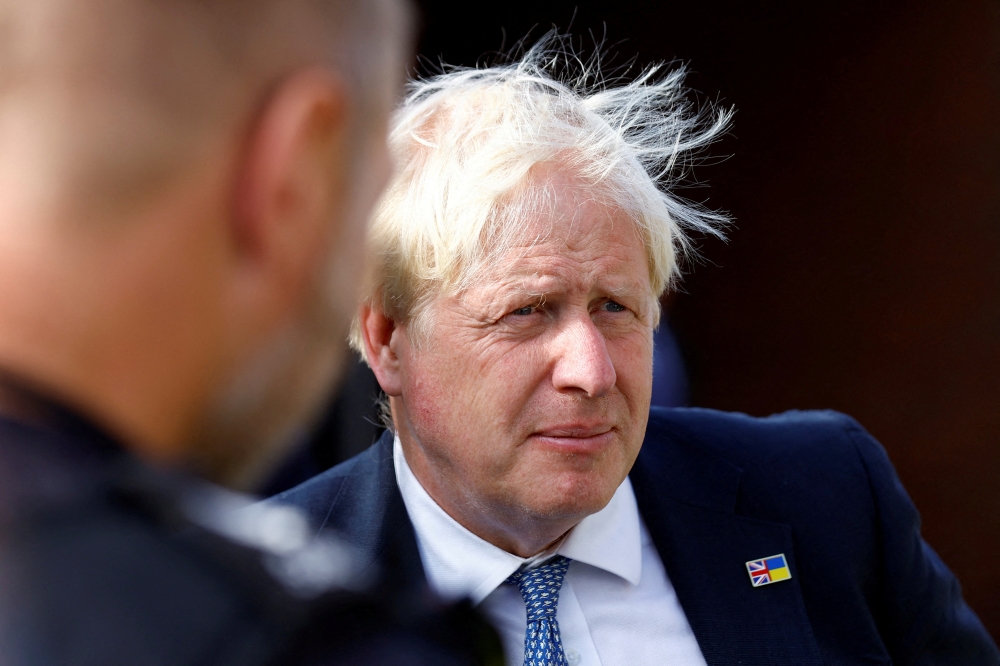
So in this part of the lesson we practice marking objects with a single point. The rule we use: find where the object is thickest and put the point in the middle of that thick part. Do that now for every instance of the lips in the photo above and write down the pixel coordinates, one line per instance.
(574, 430)
(575, 438)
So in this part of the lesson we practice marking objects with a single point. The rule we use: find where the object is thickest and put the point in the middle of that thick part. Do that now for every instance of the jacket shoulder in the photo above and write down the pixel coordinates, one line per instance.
(730, 433)
(348, 495)
(800, 446)
(323, 489)
(789, 465)
(823, 477)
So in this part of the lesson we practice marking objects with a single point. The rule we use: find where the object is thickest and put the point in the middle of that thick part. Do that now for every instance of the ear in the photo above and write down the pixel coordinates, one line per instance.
(385, 342)
(291, 185)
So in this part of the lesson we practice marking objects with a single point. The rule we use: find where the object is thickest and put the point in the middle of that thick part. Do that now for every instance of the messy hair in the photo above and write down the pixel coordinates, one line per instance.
(469, 144)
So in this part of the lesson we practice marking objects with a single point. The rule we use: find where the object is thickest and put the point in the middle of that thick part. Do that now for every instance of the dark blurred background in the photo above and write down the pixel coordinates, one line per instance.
(863, 273)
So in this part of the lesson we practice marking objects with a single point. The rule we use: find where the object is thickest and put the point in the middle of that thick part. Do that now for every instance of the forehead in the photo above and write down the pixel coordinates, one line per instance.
(573, 242)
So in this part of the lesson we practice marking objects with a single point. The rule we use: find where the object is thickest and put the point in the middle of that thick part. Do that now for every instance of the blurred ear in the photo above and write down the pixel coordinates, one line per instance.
(383, 339)
(292, 185)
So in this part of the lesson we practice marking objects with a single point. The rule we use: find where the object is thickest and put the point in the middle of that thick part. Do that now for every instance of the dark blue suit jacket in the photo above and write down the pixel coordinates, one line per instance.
(717, 490)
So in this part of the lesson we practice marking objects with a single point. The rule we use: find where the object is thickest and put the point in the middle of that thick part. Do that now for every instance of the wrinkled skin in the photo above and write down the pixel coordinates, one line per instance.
(525, 407)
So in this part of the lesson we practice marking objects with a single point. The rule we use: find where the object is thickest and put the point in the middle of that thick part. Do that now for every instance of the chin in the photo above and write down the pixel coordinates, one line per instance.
(577, 496)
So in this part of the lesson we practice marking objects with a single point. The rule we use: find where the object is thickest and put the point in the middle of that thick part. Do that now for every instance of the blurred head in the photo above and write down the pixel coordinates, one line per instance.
(185, 185)
(516, 264)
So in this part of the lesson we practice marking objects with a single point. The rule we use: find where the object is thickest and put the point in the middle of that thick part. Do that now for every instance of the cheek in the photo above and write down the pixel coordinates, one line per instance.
(463, 399)
(632, 357)
(495, 382)
(515, 391)
(427, 385)
(448, 394)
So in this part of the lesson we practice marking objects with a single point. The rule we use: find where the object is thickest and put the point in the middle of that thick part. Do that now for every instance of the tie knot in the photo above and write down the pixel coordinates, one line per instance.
(540, 587)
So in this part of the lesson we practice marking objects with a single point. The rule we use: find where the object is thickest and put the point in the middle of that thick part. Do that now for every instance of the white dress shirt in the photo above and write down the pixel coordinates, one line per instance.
(616, 608)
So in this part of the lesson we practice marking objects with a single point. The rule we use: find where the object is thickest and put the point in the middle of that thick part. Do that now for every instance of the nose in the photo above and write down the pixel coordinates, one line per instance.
(582, 360)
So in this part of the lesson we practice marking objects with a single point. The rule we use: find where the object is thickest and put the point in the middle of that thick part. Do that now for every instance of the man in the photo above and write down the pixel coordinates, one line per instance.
(184, 188)
(509, 316)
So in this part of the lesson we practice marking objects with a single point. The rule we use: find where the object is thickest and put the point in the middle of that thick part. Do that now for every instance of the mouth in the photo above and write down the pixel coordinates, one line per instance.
(575, 438)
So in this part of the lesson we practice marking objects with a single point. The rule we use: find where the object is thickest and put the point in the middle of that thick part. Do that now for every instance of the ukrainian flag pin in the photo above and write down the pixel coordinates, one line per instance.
(768, 570)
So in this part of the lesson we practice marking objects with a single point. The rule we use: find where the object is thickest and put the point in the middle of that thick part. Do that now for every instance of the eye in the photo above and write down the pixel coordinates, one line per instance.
(611, 306)
(526, 310)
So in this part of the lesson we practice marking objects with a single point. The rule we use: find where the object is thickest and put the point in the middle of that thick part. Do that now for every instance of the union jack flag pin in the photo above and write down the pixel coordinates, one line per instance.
(768, 570)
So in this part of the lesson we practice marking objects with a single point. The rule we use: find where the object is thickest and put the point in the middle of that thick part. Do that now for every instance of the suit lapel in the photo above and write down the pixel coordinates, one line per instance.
(686, 498)
(368, 512)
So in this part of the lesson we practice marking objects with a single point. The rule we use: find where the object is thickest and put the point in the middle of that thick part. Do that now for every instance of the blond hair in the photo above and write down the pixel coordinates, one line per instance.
(468, 142)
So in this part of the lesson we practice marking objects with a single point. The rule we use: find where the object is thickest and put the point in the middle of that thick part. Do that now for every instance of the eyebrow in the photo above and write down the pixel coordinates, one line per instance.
(612, 285)
(537, 288)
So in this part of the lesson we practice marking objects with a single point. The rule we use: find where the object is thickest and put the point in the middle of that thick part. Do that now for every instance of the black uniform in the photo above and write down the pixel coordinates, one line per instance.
(104, 560)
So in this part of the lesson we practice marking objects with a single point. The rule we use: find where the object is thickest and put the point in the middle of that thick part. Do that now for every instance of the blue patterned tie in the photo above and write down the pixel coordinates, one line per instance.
(540, 590)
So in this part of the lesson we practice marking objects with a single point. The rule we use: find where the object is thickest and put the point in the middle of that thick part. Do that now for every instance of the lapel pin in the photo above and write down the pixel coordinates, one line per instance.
(768, 570)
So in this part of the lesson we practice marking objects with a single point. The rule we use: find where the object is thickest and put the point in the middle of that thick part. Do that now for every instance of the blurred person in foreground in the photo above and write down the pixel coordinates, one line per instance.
(184, 190)
(517, 260)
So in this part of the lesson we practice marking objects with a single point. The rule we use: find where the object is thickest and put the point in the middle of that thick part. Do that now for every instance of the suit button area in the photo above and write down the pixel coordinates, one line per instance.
(572, 657)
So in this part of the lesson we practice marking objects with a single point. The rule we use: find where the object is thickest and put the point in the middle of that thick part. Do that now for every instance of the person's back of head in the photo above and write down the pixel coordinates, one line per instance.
(183, 190)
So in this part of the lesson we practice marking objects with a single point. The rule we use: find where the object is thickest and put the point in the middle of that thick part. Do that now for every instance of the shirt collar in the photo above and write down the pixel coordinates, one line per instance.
(459, 563)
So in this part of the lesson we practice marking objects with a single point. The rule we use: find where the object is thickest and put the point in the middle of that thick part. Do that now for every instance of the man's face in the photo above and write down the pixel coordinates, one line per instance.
(529, 397)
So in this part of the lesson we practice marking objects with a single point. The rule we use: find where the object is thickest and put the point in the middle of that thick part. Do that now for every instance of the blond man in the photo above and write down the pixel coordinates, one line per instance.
(517, 261)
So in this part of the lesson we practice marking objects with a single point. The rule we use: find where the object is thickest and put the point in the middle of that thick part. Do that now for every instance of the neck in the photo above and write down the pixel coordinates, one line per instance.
(88, 320)
(22, 403)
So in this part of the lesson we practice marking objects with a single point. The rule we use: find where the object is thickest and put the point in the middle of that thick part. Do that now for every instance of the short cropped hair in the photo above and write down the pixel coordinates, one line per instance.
(135, 89)
(468, 144)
